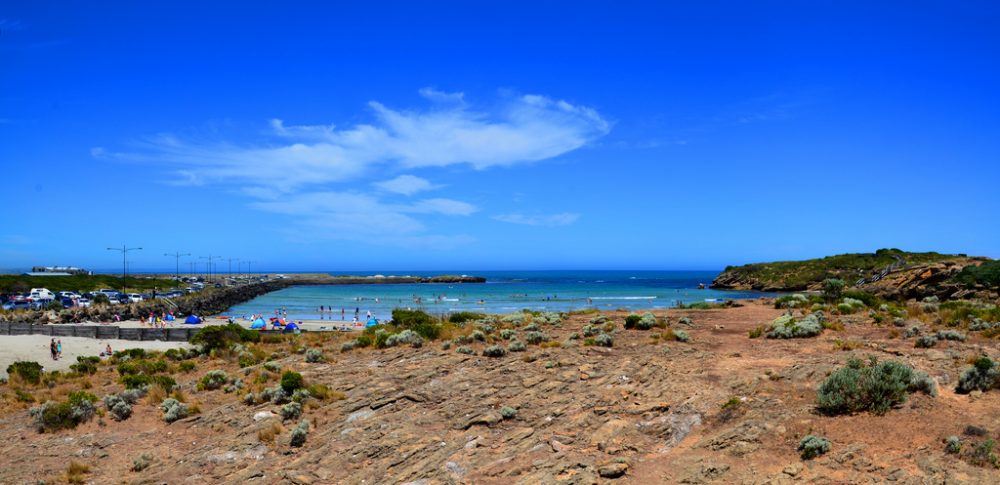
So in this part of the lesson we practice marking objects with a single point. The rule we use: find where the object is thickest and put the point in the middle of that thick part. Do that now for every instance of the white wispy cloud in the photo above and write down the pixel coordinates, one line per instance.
(551, 220)
(406, 185)
(296, 169)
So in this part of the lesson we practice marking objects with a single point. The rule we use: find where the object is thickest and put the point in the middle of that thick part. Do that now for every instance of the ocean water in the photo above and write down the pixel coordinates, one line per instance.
(504, 292)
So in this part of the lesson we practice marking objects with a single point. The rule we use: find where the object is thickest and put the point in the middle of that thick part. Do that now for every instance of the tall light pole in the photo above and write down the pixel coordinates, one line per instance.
(210, 258)
(124, 250)
(248, 268)
(231, 266)
(177, 263)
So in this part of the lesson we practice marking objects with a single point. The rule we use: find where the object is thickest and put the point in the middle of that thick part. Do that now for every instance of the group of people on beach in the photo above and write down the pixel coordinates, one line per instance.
(55, 347)
(155, 320)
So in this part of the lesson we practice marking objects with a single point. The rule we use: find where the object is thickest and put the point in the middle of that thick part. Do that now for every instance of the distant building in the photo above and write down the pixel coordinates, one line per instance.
(58, 271)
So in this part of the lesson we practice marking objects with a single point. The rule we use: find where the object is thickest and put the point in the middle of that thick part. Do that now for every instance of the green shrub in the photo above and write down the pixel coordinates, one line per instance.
(791, 301)
(685, 321)
(833, 288)
(516, 346)
(27, 371)
(983, 376)
(875, 387)
(292, 410)
(142, 462)
(85, 365)
(508, 334)
(418, 321)
(508, 412)
(813, 446)
(314, 356)
(950, 335)
(604, 340)
(925, 342)
(76, 409)
(215, 337)
(298, 435)
(119, 408)
(494, 351)
(186, 366)
(363, 341)
(599, 320)
(866, 299)
(983, 455)
(173, 410)
(462, 317)
(632, 320)
(465, 350)
(213, 379)
(953, 445)
(290, 381)
(986, 274)
(681, 336)
(786, 326)
(406, 337)
(646, 322)
(535, 338)
(101, 299)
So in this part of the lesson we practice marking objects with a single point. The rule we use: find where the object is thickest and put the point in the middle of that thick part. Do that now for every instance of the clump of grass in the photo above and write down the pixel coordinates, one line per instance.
(290, 381)
(757, 331)
(270, 432)
(848, 344)
(187, 366)
(142, 462)
(925, 342)
(76, 471)
(465, 350)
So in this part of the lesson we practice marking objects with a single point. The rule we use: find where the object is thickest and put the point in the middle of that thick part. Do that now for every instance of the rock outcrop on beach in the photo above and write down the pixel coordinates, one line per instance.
(889, 273)
(719, 408)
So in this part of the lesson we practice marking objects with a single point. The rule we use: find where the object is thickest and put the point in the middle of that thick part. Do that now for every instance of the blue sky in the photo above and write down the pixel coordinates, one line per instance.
(497, 135)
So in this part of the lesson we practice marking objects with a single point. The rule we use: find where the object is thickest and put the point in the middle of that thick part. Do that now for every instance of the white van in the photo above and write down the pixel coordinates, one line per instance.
(41, 294)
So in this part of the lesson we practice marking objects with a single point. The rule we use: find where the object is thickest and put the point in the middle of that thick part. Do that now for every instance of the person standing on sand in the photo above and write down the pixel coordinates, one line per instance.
(59, 348)
(52, 349)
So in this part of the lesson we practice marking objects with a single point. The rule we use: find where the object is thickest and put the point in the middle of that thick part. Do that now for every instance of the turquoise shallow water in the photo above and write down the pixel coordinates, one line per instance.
(504, 292)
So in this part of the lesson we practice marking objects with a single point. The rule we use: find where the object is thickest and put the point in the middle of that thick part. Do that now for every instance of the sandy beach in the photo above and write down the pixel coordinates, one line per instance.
(36, 348)
(307, 325)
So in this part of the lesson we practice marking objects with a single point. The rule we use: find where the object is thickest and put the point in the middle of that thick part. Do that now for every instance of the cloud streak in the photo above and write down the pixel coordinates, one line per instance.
(297, 169)
(551, 220)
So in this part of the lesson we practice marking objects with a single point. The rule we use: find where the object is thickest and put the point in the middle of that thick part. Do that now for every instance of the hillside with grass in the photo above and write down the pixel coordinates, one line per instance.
(881, 271)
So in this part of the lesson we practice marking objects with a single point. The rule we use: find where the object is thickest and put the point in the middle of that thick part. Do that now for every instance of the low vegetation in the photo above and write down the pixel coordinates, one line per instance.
(874, 386)
(813, 446)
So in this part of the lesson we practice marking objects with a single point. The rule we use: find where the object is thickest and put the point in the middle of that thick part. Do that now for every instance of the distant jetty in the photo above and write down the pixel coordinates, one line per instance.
(215, 300)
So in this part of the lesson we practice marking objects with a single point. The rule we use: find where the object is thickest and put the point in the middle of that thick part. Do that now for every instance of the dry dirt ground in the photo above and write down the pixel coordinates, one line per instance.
(649, 412)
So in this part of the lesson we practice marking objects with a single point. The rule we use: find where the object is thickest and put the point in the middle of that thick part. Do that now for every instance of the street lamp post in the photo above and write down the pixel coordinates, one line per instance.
(231, 266)
(210, 258)
(124, 250)
(177, 262)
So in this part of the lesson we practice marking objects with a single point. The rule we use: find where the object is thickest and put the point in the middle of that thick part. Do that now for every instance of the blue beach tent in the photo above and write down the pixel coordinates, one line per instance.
(371, 322)
(258, 324)
(192, 319)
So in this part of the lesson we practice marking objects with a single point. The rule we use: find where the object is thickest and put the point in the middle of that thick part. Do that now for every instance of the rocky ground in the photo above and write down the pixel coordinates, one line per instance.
(639, 412)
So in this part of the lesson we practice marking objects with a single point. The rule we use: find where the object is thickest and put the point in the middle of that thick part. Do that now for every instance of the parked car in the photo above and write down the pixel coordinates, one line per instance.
(133, 298)
(83, 302)
(67, 302)
(41, 294)
(17, 305)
